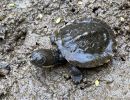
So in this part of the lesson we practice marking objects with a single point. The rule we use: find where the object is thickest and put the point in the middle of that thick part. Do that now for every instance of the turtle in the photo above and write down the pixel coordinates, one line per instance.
(83, 43)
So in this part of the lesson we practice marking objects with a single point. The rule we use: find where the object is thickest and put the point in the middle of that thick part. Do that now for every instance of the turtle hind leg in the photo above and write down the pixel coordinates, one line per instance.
(76, 74)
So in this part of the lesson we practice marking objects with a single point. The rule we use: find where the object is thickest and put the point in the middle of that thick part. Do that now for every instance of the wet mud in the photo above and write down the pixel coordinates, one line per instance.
(25, 26)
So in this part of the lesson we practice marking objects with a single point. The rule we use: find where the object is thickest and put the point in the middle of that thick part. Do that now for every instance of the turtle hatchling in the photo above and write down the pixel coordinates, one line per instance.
(83, 43)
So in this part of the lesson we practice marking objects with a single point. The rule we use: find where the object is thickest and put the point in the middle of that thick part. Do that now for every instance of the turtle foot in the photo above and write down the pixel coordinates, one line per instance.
(76, 74)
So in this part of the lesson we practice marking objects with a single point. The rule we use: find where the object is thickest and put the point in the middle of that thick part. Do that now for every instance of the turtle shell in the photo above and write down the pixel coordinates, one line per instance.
(87, 42)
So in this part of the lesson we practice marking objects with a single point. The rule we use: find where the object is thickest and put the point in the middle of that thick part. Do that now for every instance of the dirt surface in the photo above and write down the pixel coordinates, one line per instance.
(25, 25)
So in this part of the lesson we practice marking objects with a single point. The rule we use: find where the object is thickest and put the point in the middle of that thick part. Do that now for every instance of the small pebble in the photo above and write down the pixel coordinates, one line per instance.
(122, 19)
(97, 83)
(2, 17)
(40, 16)
(107, 61)
(12, 5)
(127, 28)
(80, 2)
(4, 68)
(58, 20)
(85, 80)
(2, 37)
(66, 76)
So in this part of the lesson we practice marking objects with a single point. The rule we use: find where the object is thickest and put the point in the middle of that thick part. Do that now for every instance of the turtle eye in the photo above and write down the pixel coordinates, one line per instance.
(38, 58)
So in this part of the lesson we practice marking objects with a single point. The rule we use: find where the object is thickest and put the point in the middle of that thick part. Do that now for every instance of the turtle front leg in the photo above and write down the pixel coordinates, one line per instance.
(76, 74)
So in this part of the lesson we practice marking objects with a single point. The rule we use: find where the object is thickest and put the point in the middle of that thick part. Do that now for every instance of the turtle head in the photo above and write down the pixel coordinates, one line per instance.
(47, 57)
(42, 57)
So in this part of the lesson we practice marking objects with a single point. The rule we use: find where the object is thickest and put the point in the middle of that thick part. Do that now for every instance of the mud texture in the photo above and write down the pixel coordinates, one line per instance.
(25, 25)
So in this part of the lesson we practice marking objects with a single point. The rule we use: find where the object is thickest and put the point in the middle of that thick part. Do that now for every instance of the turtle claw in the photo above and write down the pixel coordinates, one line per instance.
(77, 79)
(76, 75)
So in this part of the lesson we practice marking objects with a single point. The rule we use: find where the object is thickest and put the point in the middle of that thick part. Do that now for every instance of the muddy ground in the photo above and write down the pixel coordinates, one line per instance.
(25, 25)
